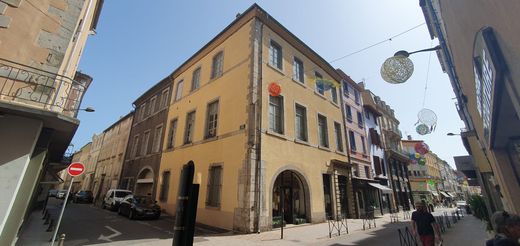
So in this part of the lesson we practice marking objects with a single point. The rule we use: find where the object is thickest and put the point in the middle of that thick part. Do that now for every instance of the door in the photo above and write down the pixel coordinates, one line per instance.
(343, 195)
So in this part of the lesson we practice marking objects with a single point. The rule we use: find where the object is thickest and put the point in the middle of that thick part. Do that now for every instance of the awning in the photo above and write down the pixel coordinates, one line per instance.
(383, 188)
(445, 194)
(144, 181)
(435, 193)
(452, 194)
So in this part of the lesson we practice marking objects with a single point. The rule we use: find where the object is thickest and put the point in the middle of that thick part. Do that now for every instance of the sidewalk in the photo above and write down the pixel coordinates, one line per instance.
(34, 232)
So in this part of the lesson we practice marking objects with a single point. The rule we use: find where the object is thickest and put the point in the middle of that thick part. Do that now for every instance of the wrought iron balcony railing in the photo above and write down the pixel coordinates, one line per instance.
(35, 87)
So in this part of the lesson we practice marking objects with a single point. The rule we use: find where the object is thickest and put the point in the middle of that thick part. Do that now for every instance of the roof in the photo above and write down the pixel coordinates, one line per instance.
(118, 121)
(349, 80)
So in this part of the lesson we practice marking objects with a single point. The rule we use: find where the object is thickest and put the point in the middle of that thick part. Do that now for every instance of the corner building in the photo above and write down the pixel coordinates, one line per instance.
(254, 152)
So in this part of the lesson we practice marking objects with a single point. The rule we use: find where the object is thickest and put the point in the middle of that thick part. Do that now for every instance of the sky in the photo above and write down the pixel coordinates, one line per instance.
(138, 44)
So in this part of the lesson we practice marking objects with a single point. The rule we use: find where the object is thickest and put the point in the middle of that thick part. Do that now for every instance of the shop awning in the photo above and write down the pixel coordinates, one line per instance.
(445, 194)
(383, 188)
(435, 193)
(452, 194)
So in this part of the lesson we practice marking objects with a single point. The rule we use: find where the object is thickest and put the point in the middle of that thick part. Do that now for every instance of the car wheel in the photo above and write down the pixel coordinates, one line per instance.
(131, 214)
(119, 211)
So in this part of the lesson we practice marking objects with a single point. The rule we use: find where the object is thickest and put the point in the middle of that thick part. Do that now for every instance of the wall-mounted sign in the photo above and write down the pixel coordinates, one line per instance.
(274, 89)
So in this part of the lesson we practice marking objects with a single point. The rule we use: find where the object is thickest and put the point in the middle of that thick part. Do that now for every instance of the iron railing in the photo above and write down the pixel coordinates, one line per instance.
(32, 86)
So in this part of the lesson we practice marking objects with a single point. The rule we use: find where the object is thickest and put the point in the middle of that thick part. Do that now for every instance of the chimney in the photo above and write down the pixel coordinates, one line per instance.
(409, 137)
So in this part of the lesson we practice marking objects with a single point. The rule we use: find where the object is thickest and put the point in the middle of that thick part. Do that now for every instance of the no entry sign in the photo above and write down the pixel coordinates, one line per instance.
(75, 169)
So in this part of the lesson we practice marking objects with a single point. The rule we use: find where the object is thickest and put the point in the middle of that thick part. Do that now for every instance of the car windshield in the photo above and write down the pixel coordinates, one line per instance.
(85, 192)
(122, 193)
(143, 200)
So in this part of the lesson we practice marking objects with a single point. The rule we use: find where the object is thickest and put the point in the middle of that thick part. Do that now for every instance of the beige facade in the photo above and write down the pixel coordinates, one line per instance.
(111, 156)
(40, 93)
(480, 52)
(243, 141)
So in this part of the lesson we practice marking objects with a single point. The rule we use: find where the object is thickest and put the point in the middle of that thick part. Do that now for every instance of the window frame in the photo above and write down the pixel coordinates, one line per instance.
(325, 131)
(364, 147)
(135, 147)
(334, 95)
(214, 191)
(146, 143)
(156, 146)
(197, 71)
(153, 103)
(178, 91)
(217, 65)
(338, 135)
(281, 115)
(189, 132)
(275, 46)
(207, 134)
(164, 98)
(298, 70)
(319, 89)
(352, 140)
(172, 133)
(304, 130)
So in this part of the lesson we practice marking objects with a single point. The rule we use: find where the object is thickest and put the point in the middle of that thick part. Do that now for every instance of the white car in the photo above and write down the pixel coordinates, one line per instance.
(114, 197)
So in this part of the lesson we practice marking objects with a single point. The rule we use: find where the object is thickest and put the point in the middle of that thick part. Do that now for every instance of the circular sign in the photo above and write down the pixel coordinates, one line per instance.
(274, 89)
(75, 169)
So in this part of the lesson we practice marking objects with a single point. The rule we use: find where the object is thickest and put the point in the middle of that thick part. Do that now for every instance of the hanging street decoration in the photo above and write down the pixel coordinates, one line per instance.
(421, 162)
(325, 83)
(422, 129)
(417, 155)
(422, 148)
(274, 89)
(397, 69)
(431, 182)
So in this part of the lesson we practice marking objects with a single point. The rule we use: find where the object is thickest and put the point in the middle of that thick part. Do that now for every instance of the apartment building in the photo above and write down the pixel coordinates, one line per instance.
(40, 94)
(257, 149)
(140, 171)
(376, 152)
(480, 50)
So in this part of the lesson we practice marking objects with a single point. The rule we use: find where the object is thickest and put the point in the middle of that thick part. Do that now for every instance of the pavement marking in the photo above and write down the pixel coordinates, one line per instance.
(109, 238)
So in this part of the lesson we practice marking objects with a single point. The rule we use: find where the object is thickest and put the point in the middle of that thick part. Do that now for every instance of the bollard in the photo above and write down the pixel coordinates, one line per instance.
(61, 240)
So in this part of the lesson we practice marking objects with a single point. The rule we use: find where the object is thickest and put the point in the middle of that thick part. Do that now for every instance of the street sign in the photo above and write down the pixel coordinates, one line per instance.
(75, 169)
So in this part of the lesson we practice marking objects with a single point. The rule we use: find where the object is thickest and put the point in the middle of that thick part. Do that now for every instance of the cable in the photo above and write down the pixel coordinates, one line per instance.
(427, 76)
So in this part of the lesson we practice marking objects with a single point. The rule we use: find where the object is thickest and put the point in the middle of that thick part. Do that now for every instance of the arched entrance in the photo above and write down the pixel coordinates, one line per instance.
(290, 193)
(144, 182)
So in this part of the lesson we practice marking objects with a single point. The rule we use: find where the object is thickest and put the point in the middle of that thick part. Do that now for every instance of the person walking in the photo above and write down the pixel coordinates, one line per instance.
(507, 229)
(424, 224)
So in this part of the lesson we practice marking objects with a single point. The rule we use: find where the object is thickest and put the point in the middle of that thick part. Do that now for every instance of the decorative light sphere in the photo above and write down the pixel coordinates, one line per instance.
(421, 162)
(397, 69)
(422, 129)
(422, 148)
(427, 117)
(417, 156)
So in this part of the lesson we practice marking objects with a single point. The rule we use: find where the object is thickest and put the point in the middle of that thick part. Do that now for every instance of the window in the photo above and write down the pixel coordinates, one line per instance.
(188, 132)
(178, 93)
(298, 70)
(320, 87)
(275, 55)
(214, 186)
(356, 97)
(211, 120)
(157, 139)
(134, 152)
(334, 95)
(218, 63)
(301, 122)
(339, 139)
(367, 172)
(360, 120)
(165, 186)
(171, 133)
(164, 98)
(348, 110)
(153, 102)
(367, 114)
(323, 131)
(144, 147)
(345, 89)
(195, 79)
(363, 143)
(352, 139)
(276, 114)
(142, 111)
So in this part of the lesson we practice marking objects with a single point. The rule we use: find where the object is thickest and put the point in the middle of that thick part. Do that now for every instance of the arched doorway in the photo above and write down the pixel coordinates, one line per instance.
(290, 193)
(144, 182)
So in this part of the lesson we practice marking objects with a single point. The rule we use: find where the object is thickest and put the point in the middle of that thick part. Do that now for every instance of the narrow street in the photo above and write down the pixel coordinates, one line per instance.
(85, 224)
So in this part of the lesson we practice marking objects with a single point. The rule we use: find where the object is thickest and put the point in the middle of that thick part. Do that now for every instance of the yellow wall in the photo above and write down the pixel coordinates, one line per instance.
(229, 148)
(281, 152)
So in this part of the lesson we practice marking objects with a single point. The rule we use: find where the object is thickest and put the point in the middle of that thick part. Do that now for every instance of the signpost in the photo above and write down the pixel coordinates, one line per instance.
(73, 170)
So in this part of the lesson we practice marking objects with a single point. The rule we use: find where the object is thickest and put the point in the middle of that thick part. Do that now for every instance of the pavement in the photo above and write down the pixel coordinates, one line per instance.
(88, 225)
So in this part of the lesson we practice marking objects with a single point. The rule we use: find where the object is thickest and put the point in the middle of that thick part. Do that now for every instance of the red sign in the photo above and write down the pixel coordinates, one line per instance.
(274, 89)
(75, 169)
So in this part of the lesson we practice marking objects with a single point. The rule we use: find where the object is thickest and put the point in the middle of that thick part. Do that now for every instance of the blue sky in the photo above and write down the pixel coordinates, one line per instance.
(139, 44)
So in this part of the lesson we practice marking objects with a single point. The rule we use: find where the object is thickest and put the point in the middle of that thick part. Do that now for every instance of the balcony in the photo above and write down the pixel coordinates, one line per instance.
(395, 133)
(32, 87)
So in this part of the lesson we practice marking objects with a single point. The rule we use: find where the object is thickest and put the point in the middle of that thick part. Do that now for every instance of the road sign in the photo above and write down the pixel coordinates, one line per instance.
(75, 169)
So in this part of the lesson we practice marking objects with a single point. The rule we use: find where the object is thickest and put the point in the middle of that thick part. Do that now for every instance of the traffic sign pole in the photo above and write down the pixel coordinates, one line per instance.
(61, 213)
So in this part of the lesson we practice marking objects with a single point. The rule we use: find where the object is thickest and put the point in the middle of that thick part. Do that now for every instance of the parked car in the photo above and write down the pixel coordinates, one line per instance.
(83, 196)
(139, 207)
(61, 194)
(53, 192)
(114, 197)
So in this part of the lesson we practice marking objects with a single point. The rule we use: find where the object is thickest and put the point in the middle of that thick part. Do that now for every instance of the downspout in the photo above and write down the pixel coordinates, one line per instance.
(258, 127)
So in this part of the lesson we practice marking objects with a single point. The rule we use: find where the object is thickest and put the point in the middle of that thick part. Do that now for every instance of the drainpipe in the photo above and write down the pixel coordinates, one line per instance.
(258, 130)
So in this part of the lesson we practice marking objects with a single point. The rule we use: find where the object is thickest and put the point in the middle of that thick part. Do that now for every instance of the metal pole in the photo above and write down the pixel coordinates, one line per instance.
(61, 213)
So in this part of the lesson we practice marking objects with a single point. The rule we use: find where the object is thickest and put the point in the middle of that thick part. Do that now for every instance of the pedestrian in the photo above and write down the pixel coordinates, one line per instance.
(424, 224)
(507, 229)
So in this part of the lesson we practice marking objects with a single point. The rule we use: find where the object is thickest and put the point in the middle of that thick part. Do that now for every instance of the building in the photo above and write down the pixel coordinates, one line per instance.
(255, 151)
(82, 156)
(376, 152)
(480, 52)
(365, 195)
(140, 171)
(424, 173)
(40, 94)
(395, 158)
(90, 171)
(111, 156)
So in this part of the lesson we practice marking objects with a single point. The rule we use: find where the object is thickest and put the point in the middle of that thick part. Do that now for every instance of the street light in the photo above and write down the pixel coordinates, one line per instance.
(452, 134)
(399, 68)
(88, 109)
